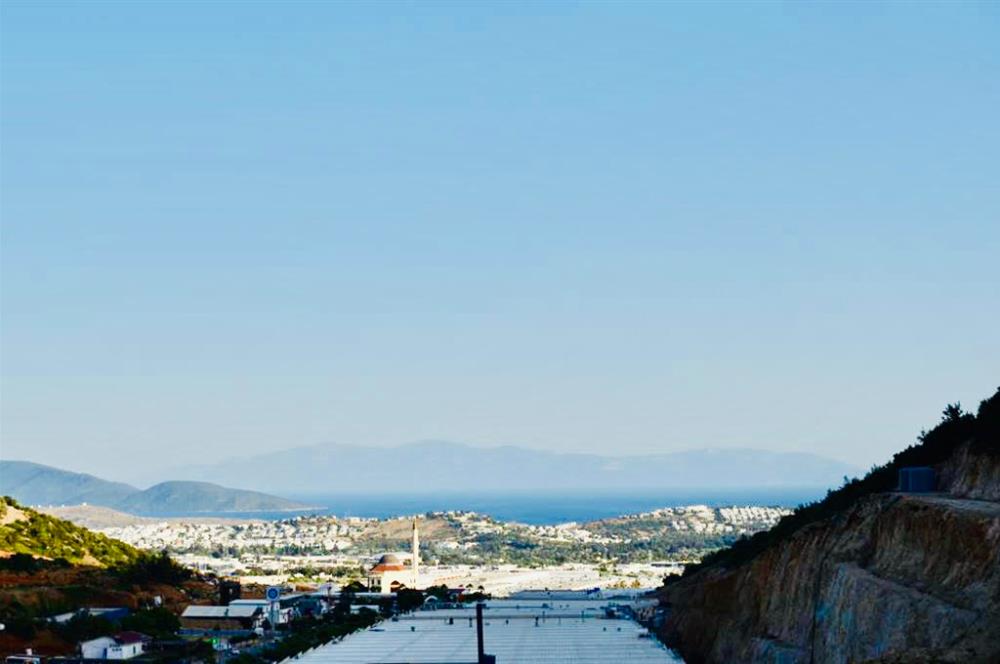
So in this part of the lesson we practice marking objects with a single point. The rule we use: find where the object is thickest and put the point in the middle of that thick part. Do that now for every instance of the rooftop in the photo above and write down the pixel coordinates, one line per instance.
(238, 611)
(561, 636)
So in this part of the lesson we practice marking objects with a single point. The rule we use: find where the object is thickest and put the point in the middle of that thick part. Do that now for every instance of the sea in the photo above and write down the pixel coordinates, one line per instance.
(540, 507)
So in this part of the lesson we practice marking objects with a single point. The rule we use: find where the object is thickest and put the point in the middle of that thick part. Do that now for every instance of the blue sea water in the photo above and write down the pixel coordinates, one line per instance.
(541, 508)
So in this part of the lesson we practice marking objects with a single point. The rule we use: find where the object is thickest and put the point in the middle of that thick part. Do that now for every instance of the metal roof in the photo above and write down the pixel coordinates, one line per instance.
(239, 611)
(561, 636)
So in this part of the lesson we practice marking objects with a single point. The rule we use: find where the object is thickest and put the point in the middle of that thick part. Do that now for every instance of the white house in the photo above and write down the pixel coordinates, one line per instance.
(122, 646)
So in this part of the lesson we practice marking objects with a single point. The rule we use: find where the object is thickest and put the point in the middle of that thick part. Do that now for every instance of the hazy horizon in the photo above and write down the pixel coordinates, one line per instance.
(229, 229)
(144, 478)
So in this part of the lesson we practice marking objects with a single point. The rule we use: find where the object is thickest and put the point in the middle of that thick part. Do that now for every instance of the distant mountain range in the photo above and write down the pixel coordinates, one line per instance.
(436, 466)
(35, 484)
(416, 468)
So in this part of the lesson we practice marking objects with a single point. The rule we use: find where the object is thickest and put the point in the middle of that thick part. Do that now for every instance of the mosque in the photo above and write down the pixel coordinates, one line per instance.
(391, 573)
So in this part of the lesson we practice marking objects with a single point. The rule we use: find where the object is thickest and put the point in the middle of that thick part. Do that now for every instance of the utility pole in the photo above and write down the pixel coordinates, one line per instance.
(483, 658)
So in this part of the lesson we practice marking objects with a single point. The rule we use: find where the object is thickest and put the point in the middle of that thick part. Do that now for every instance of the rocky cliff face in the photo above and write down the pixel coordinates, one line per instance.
(971, 473)
(895, 578)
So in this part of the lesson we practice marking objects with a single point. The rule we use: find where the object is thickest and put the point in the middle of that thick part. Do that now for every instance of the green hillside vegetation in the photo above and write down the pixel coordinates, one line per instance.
(59, 567)
(933, 447)
(47, 537)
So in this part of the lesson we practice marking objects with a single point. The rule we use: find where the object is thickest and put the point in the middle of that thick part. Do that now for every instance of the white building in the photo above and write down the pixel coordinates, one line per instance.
(390, 573)
(122, 646)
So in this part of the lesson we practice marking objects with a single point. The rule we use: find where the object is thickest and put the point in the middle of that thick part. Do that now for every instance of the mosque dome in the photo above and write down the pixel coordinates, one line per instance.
(389, 562)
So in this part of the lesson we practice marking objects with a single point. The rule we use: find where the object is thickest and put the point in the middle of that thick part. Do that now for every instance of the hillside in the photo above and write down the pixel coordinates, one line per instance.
(94, 516)
(432, 466)
(50, 566)
(181, 497)
(27, 531)
(36, 484)
(866, 575)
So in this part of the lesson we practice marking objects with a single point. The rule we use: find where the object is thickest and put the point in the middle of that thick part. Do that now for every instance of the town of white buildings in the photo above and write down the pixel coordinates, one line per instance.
(458, 548)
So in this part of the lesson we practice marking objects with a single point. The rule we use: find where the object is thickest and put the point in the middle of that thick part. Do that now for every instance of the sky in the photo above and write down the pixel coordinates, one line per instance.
(232, 228)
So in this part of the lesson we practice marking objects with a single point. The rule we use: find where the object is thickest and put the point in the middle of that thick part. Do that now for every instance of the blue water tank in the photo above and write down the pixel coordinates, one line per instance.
(917, 479)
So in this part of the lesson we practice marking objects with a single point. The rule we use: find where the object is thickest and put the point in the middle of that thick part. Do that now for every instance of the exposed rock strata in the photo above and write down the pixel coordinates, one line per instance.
(897, 578)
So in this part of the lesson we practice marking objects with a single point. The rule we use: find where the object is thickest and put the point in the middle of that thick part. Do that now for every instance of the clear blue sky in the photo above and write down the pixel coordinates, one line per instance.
(231, 228)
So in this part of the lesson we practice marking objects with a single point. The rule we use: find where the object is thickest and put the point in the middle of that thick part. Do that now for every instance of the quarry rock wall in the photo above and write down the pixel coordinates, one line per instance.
(898, 577)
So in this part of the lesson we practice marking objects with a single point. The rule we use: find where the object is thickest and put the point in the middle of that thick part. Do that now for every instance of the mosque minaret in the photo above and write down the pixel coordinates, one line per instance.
(415, 564)
(390, 572)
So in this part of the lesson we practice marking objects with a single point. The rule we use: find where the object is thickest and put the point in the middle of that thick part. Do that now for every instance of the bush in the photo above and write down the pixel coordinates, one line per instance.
(154, 568)
(18, 620)
(83, 627)
(44, 535)
(157, 622)
(408, 600)
(20, 562)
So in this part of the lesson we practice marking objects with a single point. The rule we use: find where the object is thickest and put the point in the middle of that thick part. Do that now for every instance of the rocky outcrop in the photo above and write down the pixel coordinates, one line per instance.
(971, 473)
(895, 578)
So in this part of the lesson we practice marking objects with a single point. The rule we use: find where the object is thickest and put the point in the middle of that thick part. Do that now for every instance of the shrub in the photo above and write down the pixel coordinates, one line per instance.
(157, 622)
(44, 535)
(154, 568)
(83, 627)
